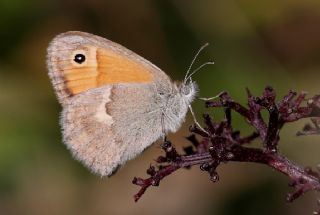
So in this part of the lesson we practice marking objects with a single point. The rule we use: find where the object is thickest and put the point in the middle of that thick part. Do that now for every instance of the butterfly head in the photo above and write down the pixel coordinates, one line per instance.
(188, 90)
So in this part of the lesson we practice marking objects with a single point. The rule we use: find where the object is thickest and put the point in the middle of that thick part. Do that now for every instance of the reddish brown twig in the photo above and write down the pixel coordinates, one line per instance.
(223, 144)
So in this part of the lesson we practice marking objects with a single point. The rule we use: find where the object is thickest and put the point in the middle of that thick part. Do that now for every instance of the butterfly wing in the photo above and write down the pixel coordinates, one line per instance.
(105, 63)
(109, 95)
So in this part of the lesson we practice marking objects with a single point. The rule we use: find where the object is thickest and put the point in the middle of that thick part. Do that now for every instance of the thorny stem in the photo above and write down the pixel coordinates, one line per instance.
(223, 144)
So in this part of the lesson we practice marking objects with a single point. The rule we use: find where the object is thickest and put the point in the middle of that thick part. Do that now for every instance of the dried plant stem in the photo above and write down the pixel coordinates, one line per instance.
(221, 144)
(240, 154)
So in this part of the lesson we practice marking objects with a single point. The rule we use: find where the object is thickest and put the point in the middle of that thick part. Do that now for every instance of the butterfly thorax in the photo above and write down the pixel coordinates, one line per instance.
(177, 104)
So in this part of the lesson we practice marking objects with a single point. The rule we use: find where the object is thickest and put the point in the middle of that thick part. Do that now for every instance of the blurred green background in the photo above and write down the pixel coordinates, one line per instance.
(253, 43)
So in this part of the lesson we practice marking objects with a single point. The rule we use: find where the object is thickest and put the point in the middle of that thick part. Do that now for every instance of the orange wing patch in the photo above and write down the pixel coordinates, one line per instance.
(114, 68)
(101, 67)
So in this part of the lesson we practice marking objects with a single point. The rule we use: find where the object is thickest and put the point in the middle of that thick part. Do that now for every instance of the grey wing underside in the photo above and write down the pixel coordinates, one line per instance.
(106, 126)
(137, 117)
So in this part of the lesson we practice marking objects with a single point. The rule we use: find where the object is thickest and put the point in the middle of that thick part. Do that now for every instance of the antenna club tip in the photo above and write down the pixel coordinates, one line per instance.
(205, 45)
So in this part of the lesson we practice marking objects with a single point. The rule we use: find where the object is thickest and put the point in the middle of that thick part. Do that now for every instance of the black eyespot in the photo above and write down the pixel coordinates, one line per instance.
(79, 58)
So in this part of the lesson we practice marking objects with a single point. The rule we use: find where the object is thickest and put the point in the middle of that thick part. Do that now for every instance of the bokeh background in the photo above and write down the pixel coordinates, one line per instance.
(253, 43)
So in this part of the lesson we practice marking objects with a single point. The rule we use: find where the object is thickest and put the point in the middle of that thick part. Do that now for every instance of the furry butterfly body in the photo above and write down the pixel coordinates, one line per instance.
(115, 103)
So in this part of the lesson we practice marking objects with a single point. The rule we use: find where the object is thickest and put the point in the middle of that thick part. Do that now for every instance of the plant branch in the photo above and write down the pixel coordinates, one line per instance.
(223, 144)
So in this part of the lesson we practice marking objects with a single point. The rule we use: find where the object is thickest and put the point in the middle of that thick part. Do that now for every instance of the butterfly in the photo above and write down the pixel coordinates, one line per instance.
(115, 103)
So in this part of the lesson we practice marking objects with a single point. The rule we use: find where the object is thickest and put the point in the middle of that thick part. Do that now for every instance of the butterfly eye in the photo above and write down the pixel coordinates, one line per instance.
(185, 90)
(79, 58)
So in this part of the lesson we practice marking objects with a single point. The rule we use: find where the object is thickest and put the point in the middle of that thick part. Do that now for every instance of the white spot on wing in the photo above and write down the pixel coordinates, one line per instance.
(102, 115)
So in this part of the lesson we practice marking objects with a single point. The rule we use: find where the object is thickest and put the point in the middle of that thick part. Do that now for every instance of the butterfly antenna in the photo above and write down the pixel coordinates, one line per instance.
(200, 67)
(193, 60)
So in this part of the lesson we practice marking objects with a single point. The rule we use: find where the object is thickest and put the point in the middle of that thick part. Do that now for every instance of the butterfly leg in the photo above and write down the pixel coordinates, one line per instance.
(164, 136)
(212, 98)
(196, 121)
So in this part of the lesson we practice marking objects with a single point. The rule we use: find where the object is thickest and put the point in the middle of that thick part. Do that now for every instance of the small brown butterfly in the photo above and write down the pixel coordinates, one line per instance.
(115, 103)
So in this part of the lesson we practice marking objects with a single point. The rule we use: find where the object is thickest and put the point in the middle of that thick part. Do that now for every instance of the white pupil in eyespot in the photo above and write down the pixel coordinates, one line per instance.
(79, 58)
